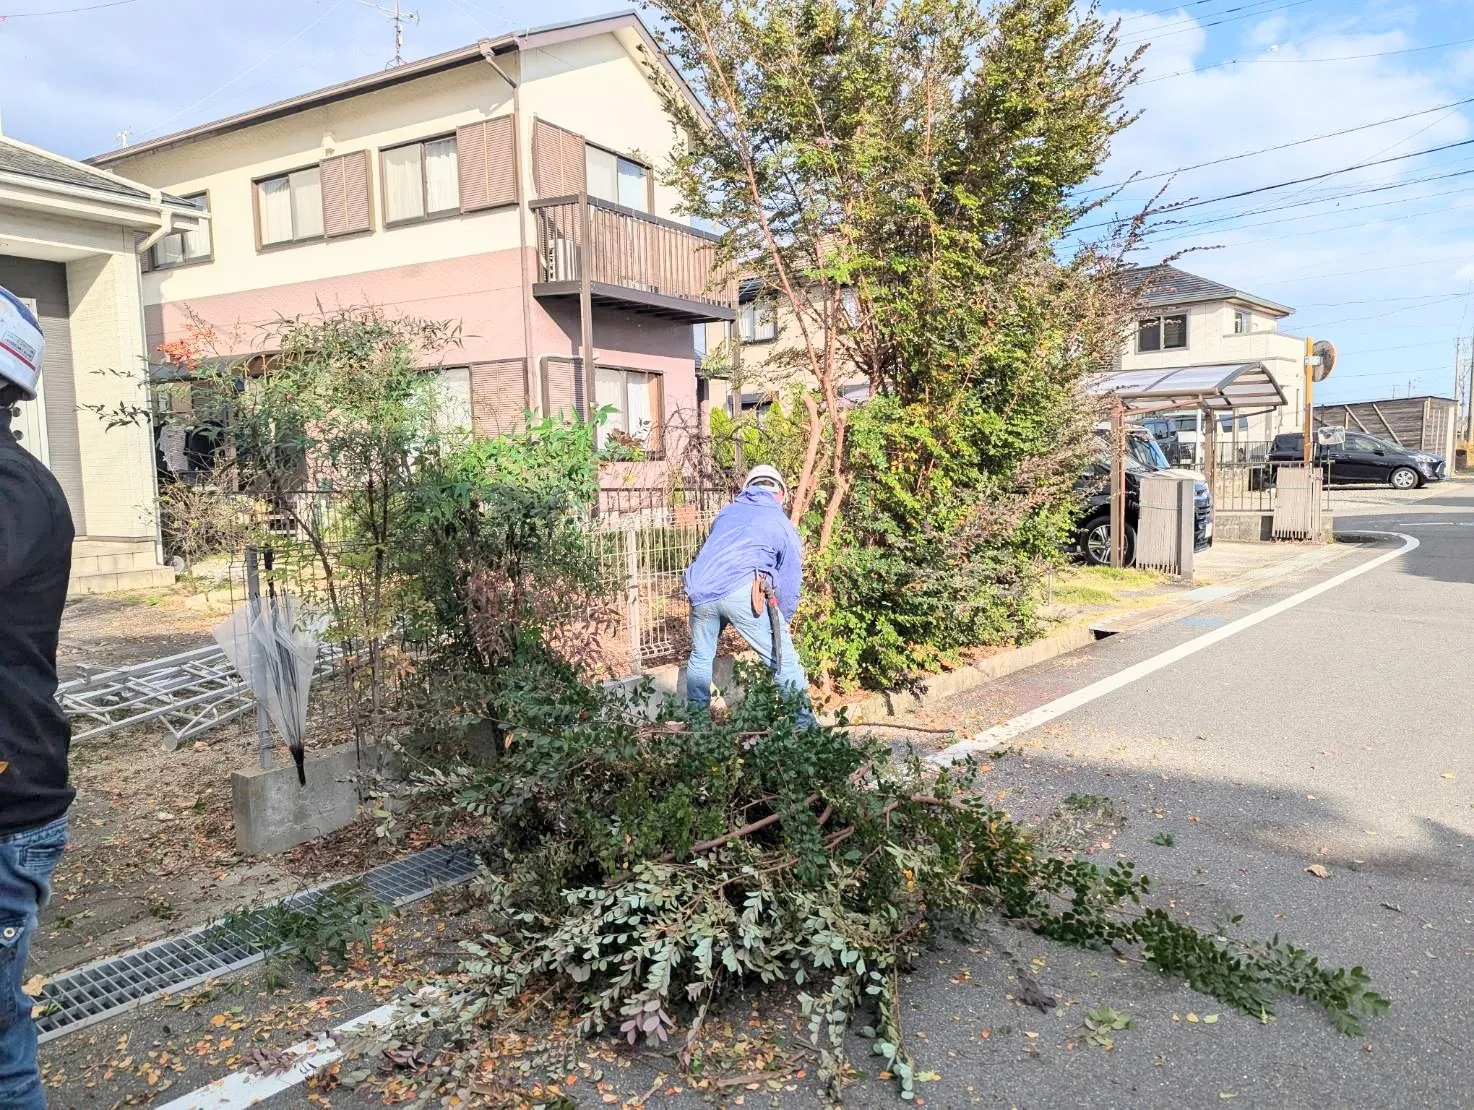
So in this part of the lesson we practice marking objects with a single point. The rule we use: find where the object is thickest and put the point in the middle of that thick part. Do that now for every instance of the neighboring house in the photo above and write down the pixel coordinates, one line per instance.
(69, 237)
(772, 352)
(450, 188)
(1185, 320)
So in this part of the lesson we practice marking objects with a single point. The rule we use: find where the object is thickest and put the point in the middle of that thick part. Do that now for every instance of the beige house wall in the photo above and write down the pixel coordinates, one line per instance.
(225, 167)
(107, 354)
(1211, 339)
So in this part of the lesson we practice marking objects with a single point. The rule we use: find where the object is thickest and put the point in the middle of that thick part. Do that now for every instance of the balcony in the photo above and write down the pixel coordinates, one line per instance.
(635, 261)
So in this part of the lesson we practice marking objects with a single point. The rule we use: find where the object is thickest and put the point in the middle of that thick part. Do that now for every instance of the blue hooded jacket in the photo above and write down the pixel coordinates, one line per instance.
(751, 534)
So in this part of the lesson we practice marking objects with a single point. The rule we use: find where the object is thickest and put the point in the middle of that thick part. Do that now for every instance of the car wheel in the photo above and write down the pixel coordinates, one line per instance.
(1404, 477)
(1095, 542)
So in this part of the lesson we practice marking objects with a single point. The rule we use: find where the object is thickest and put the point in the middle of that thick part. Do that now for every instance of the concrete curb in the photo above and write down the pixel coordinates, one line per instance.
(950, 683)
(879, 707)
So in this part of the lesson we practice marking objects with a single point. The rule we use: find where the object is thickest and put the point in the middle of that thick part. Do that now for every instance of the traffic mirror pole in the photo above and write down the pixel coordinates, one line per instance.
(1309, 387)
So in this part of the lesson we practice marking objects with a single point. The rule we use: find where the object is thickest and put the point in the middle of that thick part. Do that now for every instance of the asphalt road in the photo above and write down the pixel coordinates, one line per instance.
(1335, 733)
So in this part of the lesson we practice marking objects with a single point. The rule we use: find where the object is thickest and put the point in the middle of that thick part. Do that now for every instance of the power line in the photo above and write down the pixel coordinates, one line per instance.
(1190, 228)
(249, 69)
(1282, 146)
(1164, 11)
(1184, 205)
(1194, 25)
(1306, 61)
(66, 11)
(1192, 232)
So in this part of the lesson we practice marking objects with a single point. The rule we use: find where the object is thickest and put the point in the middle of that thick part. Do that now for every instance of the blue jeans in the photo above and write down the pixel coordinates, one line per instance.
(27, 859)
(707, 622)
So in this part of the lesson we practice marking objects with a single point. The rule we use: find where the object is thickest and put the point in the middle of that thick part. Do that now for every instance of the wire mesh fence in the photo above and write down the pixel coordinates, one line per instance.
(643, 540)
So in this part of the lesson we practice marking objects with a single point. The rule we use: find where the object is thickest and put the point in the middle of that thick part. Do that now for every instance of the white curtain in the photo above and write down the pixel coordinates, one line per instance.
(403, 196)
(306, 204)
(276, 210)
(633, 190)
(640, 413)
(169, 250)
(442, 176)
(609, 391)
(603, 173)
(454, 399)
(196, 243)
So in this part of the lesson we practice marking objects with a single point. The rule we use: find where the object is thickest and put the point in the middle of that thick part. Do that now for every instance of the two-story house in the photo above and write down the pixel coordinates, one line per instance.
(511, 185)
(1185, 320)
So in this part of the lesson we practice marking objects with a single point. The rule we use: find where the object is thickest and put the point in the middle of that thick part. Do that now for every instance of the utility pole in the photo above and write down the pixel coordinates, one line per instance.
(399, 19)
(1309, 386)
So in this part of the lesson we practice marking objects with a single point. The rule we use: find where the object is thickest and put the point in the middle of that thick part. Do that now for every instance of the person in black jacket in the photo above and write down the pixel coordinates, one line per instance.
(35, 564)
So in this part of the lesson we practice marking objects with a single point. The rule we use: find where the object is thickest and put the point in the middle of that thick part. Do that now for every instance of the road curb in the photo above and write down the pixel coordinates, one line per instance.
(878, 707)
(887, 706)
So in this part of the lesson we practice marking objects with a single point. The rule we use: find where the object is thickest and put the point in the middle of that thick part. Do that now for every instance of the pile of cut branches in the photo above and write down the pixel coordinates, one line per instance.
(637, 871)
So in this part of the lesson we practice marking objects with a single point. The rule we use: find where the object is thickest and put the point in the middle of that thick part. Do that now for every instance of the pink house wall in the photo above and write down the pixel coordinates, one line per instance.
(481, 291)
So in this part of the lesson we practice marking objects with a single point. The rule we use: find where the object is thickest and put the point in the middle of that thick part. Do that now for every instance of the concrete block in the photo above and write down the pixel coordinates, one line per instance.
(1243, 527)
(274, 813)
(670, 681)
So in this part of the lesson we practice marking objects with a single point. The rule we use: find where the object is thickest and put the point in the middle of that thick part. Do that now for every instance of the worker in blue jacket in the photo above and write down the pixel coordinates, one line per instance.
(752, 558)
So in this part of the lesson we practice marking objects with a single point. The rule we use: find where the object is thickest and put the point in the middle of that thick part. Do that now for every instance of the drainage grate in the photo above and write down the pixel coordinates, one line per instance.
(108, 987)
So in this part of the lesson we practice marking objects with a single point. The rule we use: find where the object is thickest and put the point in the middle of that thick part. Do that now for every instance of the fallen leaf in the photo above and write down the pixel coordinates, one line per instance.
(34, 985)
(1210, 1019)
(1446, 775)
(1192, 1018)
(1319, 871)
(4, 766)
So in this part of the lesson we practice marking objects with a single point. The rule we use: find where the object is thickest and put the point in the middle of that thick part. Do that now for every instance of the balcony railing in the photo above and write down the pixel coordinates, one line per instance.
(633, 259)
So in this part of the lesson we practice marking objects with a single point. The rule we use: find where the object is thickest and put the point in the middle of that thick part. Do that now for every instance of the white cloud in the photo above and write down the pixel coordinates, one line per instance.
(1373, 248)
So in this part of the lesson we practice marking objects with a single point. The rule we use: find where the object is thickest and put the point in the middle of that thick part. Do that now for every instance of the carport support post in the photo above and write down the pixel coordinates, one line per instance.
(1118, 484)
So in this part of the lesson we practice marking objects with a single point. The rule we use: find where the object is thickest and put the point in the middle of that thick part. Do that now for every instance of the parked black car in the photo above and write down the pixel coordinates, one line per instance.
(1363, 458)
(1143, 456)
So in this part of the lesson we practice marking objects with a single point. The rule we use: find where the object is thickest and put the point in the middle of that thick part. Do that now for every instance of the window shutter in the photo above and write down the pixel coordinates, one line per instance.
(487, 154)
(345, 194)
(559, 166)
(563, 379)
(498, 396)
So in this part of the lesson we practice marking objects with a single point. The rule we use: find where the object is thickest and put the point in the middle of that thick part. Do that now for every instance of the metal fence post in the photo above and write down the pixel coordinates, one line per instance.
(253, 604)
(632, 596)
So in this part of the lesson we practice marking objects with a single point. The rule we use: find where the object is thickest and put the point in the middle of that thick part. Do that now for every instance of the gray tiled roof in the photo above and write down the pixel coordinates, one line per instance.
(29, 163)
(1167, 285)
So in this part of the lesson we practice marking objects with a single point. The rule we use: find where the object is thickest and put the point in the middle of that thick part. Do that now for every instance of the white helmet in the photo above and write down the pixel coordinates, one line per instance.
(21, 344)
(765, 477)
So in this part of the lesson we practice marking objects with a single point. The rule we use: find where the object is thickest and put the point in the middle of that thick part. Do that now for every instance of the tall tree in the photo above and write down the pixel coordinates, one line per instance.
(899, 174)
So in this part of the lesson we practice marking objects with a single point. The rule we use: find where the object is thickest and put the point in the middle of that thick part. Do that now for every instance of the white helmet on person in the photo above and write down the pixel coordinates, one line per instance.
(21, 345)
(766, 477)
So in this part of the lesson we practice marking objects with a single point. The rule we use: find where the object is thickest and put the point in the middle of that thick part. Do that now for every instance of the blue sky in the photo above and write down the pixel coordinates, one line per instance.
(1387, 275)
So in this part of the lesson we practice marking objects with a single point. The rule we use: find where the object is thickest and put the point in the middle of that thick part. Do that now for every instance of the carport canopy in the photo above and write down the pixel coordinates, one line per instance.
(1244, 388)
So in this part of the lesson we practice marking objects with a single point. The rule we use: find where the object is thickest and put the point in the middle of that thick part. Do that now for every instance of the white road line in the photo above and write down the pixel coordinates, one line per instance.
(242, 1089)
(1001, 734)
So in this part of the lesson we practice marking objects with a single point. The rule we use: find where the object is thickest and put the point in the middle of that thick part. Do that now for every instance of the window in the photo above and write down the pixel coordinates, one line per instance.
(756, 321)
(635, 397)
(1366, 444)
(179, 247)
(1225, 423)
(1161, 333)
(421, 180)
(1243, 322)
(617, 179)
(290, 207)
